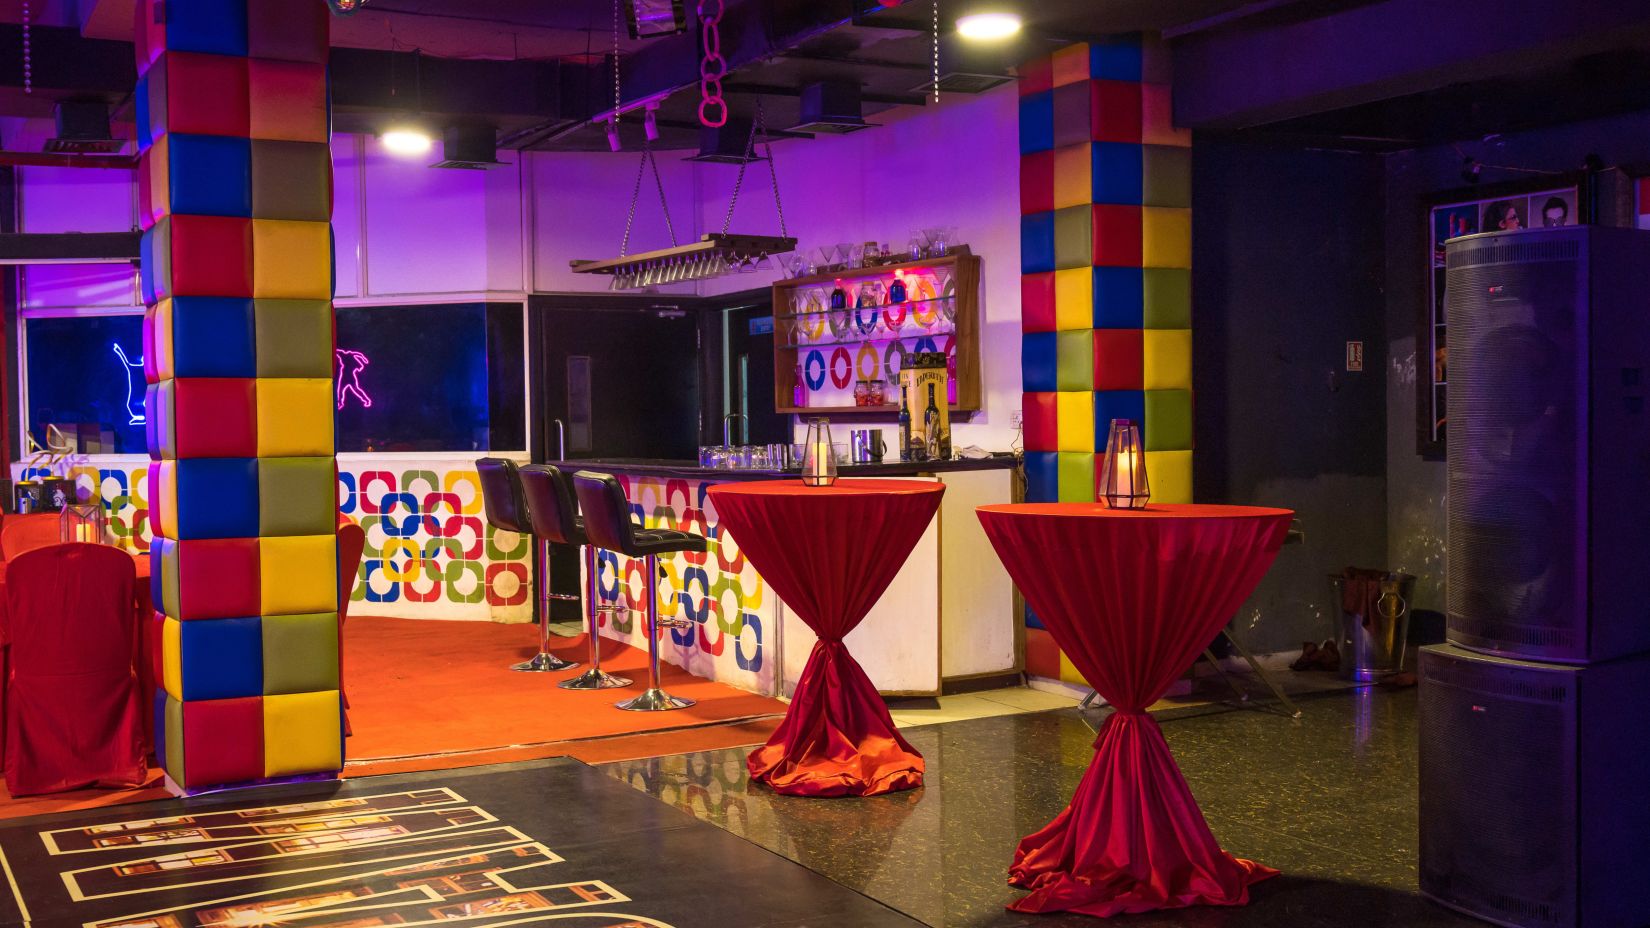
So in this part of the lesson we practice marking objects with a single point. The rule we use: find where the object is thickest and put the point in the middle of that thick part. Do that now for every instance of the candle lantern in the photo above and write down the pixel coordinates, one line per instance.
(818, 459)
(1123, 483)
(81, 522)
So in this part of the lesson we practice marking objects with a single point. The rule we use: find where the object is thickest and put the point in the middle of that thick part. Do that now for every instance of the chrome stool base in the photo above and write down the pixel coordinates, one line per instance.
(544, 662)
(654, 700)
(594, 679)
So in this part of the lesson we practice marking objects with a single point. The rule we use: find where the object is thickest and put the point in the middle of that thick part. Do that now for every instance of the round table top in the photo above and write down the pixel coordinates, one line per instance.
(845, 486)
(1165, 511)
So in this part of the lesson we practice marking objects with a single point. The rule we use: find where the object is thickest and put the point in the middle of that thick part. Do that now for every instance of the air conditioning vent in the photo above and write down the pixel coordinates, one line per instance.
(468, 148)
(964, 82)
(83, 129)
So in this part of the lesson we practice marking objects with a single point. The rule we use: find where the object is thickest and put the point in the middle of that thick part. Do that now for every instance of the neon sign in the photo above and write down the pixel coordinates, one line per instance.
(134, 396)
(349, 381)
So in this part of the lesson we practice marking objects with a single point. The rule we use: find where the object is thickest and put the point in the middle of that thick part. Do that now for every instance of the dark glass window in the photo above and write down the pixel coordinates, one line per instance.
(442, 377)
(85, 376)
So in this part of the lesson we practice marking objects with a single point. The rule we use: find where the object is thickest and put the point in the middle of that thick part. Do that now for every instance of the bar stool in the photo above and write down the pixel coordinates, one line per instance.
(554, 516)
(501, 497)
(607, 525)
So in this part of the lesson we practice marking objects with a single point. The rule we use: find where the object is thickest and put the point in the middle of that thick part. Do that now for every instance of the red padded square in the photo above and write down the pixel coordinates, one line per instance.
(146, 202)
(223, 741)
(1040, 414)
(1037, 182)
(1114, 114)
(289, 100)
(1117, 236)
(1119, 359)
(211, 256)
(218, 578)
(148, 32)
(287, 31)
(216, 417)
(1036, 76)
(206, 94)
(1037, 302)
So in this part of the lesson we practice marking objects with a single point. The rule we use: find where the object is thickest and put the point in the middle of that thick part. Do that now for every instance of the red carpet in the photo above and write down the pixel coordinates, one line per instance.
(430, 695)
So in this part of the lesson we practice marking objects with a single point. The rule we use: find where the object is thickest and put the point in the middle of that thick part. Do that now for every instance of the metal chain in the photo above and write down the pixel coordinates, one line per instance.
(618, 97)
(28, 51)
(936, 51)
(664, 205)
(758, 124)
(713, 110)
(636, 195)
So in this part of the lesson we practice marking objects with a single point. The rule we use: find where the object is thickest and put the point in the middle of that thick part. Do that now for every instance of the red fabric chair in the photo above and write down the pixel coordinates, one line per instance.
(20, 534)
(352, 540)
(72, 704)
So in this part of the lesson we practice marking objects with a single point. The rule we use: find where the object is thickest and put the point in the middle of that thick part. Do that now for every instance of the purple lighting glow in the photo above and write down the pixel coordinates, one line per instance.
(350, 366)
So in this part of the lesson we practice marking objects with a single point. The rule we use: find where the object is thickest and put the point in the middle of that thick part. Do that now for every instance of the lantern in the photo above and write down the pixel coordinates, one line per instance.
(818, 459)
(81, 522)
(1123, 483)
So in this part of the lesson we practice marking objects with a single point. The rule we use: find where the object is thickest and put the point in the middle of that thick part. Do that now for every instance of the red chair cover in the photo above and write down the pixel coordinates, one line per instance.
(830, 552)
(72, 698)
(352, 540)
(1132, 597)
(21, 534)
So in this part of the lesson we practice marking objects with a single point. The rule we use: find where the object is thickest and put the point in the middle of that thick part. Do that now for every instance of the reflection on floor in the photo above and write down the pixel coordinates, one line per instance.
(1328, 798)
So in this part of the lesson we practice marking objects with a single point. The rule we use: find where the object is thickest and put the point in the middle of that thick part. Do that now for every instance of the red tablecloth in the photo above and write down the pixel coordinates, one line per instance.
(1132, 597)
(830, 552)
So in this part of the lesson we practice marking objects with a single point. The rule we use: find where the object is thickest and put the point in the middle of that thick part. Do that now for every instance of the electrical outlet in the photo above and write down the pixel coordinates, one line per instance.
(1015, 419)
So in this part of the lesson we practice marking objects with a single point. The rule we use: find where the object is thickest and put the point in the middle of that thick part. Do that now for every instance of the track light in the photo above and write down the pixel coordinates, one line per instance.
(408, 141)
(988, 27)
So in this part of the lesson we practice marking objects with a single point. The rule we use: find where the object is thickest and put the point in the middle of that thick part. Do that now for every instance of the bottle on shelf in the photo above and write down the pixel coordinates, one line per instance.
(839, 297)
(931, 428)
(799, 393)
(896, 290)
(904, 427)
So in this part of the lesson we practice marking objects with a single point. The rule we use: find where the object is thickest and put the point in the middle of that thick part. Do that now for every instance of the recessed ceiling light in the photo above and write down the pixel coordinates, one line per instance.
(986, 27)
(408, 141)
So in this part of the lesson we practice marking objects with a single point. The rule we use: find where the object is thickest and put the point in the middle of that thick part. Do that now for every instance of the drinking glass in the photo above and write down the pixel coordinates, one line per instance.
(856, 256)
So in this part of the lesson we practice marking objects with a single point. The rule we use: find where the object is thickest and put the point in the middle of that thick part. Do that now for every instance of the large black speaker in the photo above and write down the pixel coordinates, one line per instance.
(1535, 789)
(1549, 442)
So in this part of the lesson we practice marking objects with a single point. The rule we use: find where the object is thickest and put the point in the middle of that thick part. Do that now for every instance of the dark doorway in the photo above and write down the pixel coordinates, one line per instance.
(748, 318)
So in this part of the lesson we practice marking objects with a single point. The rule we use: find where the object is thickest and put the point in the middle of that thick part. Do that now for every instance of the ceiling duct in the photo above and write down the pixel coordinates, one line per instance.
(727, 144)
(963, 82)
(468, 148)
(83, 129)
(831, 107)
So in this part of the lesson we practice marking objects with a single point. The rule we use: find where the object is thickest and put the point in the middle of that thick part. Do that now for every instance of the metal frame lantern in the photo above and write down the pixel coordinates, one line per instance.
(1123, 482)
(83, 522)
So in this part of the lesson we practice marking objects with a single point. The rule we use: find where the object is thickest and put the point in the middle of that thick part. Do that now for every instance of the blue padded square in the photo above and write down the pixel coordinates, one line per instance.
(152, 252)
(1118, 60)
(218, 498)
(221, 658)
(212, 336)
(1036, 243)
(1119, 298)
(1037, 122)
(1042, 476)
(1039, 361)
(214, 26)
(210, 175)
(157, 572)
(1116, 404)
(140, 97)
(1117, 174)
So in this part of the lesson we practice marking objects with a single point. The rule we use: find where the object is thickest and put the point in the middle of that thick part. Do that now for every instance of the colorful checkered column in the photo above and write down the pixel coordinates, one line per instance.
(235, 191)
(1105, 202)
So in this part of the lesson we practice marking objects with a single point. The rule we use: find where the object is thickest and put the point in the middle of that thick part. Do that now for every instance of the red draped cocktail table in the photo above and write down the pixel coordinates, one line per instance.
(1132, 597)
(830, 552)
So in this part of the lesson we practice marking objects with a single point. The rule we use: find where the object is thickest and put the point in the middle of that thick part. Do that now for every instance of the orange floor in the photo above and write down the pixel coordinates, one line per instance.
(429, 695)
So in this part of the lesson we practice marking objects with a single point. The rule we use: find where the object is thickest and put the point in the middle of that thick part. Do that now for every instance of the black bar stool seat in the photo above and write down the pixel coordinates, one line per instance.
(554, 514)
(505, 504)
(607, 525)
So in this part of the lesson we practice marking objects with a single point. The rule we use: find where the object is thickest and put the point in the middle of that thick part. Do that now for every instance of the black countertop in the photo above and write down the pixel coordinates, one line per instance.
(669, 468)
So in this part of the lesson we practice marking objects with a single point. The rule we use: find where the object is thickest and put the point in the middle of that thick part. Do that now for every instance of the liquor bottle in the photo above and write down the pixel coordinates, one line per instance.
(839, 298)
(896, 291)
(904, 427)
(931, 427)
(799, 393)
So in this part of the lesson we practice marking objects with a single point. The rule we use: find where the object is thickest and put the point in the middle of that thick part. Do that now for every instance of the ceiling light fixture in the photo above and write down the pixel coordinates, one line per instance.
(407, 141)
(988, 27)
(345, 7)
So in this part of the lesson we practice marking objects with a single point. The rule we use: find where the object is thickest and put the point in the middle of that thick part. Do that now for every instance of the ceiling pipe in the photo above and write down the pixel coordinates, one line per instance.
(49, 160)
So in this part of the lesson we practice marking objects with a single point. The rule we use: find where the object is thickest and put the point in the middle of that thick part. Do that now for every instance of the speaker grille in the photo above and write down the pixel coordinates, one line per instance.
(1498, 766)
(1517, 415)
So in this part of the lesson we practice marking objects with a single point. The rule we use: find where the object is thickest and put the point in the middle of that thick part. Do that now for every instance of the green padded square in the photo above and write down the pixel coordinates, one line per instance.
(1168, 297)
(297, 496)
(1165, 176)
(1168, 420)
(174, 740)
(171, 595)
(300, 653)
(1072, 243)
(294, 337)
(1076, 477)
(1074, 360)
(291, 180)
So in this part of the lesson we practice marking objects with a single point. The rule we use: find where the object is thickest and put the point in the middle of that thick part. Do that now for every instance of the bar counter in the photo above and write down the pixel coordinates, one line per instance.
(948, 617)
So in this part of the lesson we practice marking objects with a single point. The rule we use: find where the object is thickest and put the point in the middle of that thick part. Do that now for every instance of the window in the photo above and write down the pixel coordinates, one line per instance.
(434, 378)
(85, 376)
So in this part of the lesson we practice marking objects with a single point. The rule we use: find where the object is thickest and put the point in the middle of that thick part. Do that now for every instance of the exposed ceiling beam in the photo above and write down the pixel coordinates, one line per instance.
(775, 90)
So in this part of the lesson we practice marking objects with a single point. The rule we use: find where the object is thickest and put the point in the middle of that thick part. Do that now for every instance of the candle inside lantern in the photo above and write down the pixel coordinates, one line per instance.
(1123, 483)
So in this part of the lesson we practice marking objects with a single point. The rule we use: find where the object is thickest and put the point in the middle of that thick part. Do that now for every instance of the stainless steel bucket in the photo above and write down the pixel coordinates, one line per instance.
(1372, 650)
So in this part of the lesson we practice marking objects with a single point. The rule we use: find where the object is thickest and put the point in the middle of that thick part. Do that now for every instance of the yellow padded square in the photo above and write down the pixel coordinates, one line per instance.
(291, 260)
(1071, 64)
(157, 165)
(160, 315)
(1165, 236)
(171, 658)
(302, 734)
(1068, 671)
(294, 417)
(1170, 475)
(305, 570)
(1157, 118)
(163, 512)
(1168, 359)
(1074, 299)
(1074, 414)
(1073, 175)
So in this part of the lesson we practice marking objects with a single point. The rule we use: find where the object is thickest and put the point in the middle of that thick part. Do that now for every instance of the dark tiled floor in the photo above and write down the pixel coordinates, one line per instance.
(1329, 799)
